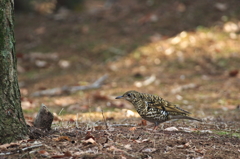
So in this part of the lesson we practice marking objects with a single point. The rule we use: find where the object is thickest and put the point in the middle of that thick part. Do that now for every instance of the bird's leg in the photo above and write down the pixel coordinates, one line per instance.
(155, 127)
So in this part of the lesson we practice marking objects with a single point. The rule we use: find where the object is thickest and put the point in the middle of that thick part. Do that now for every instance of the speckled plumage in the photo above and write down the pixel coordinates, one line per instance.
(154, 108)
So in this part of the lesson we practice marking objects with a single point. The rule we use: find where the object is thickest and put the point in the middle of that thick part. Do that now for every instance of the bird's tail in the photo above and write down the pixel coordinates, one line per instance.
(183, 117)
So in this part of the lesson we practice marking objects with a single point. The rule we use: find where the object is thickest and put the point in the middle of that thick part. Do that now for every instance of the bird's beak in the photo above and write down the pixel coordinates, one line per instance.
(119, 97)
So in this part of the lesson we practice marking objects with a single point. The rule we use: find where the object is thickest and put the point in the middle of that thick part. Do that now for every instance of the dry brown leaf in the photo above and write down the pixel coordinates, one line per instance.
(186, 145)
(180, 146)
(98, 127)
(141, 141)
(89, 141)
(233, 73)
(109, 118)
(113, 148)
(62, 138)
(6, 146)
(100, 96)
(89, 135)
(132, 128)
(43, 152)
(201, 151)
(71, 120)
(67, 154)
(143, 123)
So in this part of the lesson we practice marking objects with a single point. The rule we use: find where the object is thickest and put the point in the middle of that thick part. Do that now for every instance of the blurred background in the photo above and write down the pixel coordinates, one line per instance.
(182, 50)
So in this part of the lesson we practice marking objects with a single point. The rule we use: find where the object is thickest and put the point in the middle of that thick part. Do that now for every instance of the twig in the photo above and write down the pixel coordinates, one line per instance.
(70, 89)
(60, 111)
(77, 126)
(127, 125)
(104, 119)
(22, 150)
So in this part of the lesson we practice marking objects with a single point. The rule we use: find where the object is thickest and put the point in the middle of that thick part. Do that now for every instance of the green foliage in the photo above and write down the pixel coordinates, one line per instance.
(227, 133)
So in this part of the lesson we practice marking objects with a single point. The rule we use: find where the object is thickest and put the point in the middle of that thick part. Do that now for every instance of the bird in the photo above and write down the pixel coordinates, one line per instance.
(154, 108)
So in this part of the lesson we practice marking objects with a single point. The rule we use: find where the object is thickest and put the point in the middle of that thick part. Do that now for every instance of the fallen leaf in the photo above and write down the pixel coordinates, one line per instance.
(41, 63)
(62, 138)
(186, 129)
(132, 128)
(145, 140)
(143, 123)
(100, 96)
(6, 146)
(89, 141)
(137, 141)
(201, 151)
(123, 157)
(141, 141)
(98, 127)
(128, 146)
(67, 154)
(89, 135)
(206, 131)
(130, 113)
(149, 150)
(171, 129)
(64, 64)
(43, 152)
(109, 118)
(180, 146)
(233, 73)
(186, 145)
(113, 148)
(56, 117)
(71, 120)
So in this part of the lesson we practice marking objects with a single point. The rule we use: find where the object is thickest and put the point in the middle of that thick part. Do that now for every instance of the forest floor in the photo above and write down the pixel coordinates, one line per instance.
(184, 51)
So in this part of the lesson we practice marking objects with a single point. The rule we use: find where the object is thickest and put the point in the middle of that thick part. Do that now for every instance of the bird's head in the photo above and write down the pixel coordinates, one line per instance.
(130, 96)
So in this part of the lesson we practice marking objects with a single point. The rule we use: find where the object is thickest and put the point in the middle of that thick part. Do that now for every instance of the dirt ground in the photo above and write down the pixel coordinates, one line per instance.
(184, 51)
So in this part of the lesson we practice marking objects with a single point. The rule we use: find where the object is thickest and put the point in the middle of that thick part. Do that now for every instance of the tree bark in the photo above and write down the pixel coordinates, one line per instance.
(12, 123)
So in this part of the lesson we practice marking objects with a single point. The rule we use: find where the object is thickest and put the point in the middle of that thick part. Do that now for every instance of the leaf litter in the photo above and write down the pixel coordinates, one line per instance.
(195, 67)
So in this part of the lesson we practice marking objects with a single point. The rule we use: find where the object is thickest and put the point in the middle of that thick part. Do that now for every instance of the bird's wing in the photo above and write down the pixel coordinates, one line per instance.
(167, 107)
(158, 102)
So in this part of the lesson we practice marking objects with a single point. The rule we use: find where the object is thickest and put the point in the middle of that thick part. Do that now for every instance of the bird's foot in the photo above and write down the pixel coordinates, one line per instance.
(154, 129)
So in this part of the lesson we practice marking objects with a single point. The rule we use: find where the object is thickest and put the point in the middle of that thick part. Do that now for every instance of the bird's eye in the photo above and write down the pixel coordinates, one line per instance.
(129, 95)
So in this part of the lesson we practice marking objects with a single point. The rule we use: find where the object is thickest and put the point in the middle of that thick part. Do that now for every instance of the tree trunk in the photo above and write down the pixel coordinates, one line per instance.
(12, 123)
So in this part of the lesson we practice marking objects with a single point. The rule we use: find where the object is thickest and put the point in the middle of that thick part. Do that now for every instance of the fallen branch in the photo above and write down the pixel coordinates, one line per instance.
(22, 150)
(70, 89)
